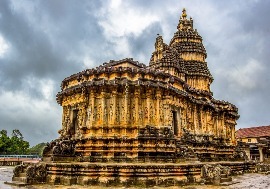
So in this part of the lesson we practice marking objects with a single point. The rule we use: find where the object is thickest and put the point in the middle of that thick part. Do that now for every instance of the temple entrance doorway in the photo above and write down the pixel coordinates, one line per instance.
(74, 124)
(175, 123)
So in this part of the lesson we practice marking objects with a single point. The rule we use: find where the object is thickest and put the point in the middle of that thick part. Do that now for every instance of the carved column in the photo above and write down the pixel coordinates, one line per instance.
(167, 112)
(158, 97)
(223, 128)
(127, 111)
(147, 107)
(233, 134)
(102, 110)
(113, 107)
(207, 122)
(137, 109)
(215, 125)
(91, 110)
(194, 112)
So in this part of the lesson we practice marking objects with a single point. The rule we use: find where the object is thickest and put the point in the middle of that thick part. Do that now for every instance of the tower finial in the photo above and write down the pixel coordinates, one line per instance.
(184, 14)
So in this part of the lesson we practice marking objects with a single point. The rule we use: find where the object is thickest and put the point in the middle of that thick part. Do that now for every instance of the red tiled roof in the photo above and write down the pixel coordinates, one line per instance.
(261, 131)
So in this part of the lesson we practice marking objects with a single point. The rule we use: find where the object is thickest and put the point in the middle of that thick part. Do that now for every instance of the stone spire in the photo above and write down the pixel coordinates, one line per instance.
(185, 55)
(184, 13)
(184, 23)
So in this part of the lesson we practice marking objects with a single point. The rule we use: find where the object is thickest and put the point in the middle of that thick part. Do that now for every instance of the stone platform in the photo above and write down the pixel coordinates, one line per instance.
(136, 174)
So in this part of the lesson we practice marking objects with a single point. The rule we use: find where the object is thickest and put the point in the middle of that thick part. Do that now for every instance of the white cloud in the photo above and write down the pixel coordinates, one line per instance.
(30, 116)
(117, 20)
(246, 77)
(87, 61)
(47, 87)
(4, 46)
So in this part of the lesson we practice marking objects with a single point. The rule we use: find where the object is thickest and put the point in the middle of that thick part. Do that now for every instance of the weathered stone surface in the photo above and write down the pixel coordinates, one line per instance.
(125, 123)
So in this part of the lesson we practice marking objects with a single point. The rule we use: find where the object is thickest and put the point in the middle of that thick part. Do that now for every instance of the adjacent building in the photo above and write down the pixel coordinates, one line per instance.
(255, 141)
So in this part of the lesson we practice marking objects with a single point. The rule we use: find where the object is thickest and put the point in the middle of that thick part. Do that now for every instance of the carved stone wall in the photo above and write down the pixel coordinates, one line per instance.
(105, 108)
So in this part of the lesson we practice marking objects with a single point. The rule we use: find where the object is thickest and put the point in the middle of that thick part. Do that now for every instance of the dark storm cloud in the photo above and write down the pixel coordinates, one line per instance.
(238, 60)
(45, 40)
(43, 46)
(144, 44)
(50, 40)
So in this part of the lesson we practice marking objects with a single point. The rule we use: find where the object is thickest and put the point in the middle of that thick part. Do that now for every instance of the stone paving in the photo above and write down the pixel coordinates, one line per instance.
(246, 181)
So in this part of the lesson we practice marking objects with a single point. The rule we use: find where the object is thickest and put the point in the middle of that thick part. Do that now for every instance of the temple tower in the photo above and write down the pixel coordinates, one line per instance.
(185, 56)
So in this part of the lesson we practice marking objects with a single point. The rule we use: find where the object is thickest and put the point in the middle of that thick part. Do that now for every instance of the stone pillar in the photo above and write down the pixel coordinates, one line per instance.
(148, 101)
(167, 112)
(194, 112)
(103, 109)
(261, 153)
(247, 150)
(223, 128)
(126, 104)
(92, 110)
(216, 125)
(112, 108)
(137, 96)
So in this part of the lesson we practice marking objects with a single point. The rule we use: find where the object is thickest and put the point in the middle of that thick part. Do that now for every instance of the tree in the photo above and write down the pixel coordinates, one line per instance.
(4, 142)
(37, 149)
(13, 145)
(17, 134)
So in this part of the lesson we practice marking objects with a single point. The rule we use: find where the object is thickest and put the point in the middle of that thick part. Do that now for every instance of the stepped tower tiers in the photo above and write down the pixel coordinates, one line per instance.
(184, 57)
(125, 110)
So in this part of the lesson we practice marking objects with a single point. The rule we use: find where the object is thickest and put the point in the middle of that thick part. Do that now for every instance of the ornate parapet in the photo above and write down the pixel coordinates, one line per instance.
(59, 148)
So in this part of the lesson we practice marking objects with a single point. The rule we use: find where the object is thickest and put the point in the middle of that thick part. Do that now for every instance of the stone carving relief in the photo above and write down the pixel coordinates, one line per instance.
(212, 173)
(35, 173)
(133, 110)
(99, 111)
(117, 114)
(60, 147)
(123, 111)
(161, 115)
(94, 115)
(145, 113)
(151, 113)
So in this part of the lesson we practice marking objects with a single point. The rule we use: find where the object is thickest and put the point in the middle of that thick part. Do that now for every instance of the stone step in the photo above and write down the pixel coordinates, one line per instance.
(22, 175)
(16, 183)
(20, 179)
(223, 176)
(228, 179)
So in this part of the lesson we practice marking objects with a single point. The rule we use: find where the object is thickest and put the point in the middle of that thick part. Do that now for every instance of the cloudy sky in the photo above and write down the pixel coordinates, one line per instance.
(42, 42)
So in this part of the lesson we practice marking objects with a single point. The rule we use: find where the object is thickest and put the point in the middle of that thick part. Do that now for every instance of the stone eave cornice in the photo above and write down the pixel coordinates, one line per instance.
(84, 87)
(230, 108)
(143, 72)
(109, 70)
(109, 64)
(117, 62)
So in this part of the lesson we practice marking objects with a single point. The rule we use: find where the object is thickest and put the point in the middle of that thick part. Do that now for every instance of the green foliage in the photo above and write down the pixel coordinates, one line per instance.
(14, 144)
(37, 149)
(4, 142)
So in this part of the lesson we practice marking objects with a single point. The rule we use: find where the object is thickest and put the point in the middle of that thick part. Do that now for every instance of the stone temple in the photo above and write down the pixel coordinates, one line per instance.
(128, 123)
(125, 109)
